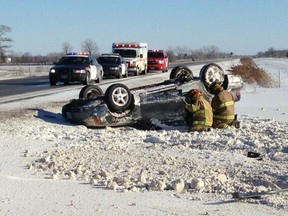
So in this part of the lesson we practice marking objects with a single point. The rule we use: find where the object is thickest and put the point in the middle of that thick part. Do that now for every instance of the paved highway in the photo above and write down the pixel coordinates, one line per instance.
(17, 89)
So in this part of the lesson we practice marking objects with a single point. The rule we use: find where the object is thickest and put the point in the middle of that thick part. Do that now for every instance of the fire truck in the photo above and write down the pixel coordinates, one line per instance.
(135, 54)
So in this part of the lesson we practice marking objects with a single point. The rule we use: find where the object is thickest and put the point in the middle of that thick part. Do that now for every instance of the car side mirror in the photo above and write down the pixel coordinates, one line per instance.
(141, 55)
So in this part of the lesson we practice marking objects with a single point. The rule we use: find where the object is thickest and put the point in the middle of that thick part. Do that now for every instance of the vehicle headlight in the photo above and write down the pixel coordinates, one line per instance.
(52, 71)
(160, 61)
(79, 71)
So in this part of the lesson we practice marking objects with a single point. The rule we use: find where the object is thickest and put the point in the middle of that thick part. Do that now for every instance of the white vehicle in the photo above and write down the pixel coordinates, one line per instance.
(76, 67)
(135, 54)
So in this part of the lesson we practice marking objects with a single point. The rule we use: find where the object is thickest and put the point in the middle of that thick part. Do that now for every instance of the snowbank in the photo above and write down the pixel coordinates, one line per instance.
(54, 168)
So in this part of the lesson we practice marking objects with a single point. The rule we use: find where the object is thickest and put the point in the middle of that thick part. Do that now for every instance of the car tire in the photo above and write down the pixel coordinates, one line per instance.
(137, 72)
(180, 70)
(100, 77)
(211, 73)
(90, 91)
(53, 82)
(119, 76)
(144, 72)
(118, 97)
(165, 70)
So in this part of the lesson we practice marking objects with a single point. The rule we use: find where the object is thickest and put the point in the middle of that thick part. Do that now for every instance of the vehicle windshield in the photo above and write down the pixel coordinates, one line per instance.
(155, 55)
(74, 60)
(103, 60)
(126, 53)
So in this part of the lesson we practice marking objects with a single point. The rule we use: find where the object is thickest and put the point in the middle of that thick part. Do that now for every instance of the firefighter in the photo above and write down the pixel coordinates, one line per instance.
(222, 106)
(199, 111)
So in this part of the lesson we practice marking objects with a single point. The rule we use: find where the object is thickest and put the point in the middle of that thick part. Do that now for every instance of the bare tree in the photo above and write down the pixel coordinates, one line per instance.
(181, 51)
(90, 46)
(211, 52)
(171, 54)
(66, 47)
(3, 40)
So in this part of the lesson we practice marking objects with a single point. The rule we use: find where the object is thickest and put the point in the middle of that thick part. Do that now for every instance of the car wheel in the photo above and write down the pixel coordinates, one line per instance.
(211, 73)
(180, 71)
(137, 72)
(53, 82)
(119, 76)
(100, 77)
(144, 72)
(90, 91)
(118, 97)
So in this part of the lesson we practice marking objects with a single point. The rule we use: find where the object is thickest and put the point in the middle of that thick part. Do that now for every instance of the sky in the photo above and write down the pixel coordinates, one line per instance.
(243, 27)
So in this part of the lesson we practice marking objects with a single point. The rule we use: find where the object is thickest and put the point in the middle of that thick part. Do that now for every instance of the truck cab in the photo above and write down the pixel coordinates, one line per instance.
(158, 60)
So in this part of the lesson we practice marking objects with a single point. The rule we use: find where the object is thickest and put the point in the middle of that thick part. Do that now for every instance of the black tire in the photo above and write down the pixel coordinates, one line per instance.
(126, 73)
(144, 72)
(90, 91)
(211, 73)
(52, 81)
(137, 72)
(118, 97)
(119, 76)
(179, 71)
(100, 77)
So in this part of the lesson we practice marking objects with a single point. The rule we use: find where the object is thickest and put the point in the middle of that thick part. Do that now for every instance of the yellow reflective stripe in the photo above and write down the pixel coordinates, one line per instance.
(227, 117)
(228, 103)
(202, 123)
(199, 112)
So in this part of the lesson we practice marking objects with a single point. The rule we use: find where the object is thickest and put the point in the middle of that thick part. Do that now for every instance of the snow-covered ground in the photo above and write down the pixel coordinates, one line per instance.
(50, 167)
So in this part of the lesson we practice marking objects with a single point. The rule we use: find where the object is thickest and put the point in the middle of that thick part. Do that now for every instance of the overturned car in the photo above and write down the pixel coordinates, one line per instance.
(120, 106)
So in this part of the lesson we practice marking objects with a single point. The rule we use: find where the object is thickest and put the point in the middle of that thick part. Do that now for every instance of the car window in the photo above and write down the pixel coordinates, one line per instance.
(74, 60)
(108, 59)
(126, 53)
(155, 54)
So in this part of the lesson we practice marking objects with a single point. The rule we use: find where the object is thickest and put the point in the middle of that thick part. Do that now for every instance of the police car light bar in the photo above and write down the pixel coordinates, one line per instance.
(77, 53)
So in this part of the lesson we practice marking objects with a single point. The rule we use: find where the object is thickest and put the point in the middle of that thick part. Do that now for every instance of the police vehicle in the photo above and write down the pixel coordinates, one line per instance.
(74, 67)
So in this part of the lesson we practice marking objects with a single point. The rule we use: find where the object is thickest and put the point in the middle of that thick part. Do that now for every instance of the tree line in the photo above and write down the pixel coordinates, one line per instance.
(90, 46)
(271, 52)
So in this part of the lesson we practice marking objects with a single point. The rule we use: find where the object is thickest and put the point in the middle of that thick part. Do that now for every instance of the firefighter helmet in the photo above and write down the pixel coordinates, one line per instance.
(195, 94)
